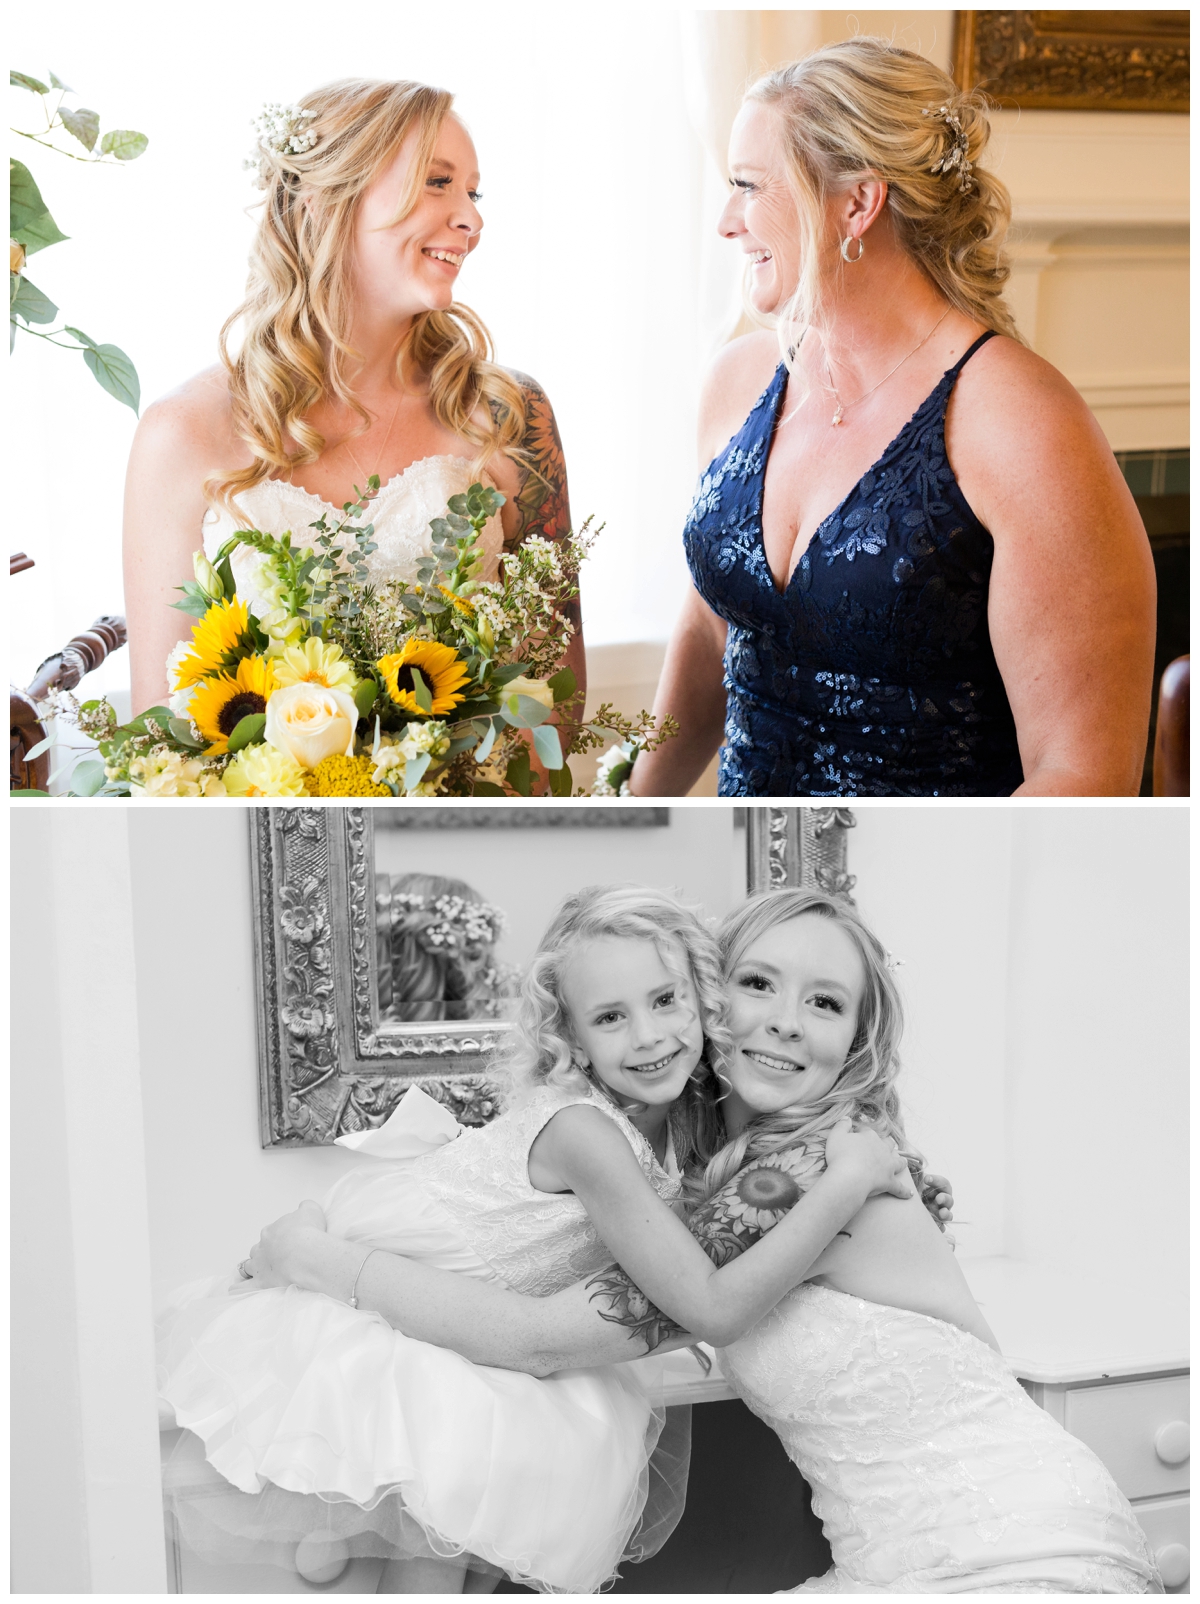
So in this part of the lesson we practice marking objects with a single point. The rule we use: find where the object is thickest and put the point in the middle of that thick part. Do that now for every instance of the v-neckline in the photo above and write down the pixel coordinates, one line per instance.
(782, 591)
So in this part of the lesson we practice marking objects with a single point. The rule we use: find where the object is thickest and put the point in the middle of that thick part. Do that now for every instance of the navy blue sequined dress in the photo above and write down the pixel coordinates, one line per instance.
(872, 673)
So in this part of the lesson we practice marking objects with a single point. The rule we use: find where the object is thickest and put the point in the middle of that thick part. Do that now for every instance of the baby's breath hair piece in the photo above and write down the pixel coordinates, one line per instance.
(281, 130)
(956, 156)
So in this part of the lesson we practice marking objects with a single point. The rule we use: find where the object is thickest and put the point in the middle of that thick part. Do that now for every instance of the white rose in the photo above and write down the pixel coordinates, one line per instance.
(310, 722)
(537, 689)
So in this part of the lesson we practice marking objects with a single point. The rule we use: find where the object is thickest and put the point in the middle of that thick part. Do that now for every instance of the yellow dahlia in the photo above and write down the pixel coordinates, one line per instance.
(441, 668)
(315, 663)
(219, 704)
(262, 771)
(217, 640)
(343, 776)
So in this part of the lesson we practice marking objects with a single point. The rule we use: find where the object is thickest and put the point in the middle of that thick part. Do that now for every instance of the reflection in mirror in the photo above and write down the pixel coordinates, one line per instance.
(437, 950)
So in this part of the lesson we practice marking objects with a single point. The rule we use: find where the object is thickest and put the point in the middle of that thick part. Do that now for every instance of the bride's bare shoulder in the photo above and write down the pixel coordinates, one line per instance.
(739, 374)
(193, 422)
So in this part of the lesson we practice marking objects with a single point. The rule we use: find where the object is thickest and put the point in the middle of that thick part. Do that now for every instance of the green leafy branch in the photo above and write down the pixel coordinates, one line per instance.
(32, 229)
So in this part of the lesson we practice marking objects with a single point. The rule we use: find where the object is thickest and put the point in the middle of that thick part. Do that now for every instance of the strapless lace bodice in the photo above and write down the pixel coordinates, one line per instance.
(931, 1470)
(401, 514)
(537, 1242)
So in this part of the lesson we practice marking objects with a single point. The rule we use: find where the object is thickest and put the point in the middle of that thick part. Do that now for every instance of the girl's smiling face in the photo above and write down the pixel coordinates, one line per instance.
(634, 1018)
(411, 266)
(794, 996)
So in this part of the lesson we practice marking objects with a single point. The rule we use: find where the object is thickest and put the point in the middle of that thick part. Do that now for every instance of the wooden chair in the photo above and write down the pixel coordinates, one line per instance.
(1172, 738)
(61, 671)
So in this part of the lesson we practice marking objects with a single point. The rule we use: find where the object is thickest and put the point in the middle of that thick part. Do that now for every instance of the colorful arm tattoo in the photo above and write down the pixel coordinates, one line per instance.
(541, 499)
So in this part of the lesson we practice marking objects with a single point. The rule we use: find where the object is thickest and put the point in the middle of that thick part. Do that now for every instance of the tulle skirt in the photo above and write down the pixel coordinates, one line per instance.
(316, 1433)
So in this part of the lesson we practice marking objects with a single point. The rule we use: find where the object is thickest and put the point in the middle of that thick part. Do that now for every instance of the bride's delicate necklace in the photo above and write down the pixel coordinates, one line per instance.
(842, 405)
(382, 450)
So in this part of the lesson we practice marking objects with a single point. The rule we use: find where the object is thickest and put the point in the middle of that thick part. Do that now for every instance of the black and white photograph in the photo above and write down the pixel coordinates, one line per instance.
(674, 1200)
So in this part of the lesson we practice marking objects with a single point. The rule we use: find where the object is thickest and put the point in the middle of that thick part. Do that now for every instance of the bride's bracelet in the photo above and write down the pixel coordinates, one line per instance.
(353, 1298)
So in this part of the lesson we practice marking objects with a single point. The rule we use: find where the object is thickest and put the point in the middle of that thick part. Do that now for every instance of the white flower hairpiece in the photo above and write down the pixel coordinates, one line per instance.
(451, 924)
(956, 156)
(281, 130)
(892, 963)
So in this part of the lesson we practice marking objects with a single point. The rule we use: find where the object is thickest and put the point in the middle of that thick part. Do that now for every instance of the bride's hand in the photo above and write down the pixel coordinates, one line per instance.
(873, 1160)
(268, 1264)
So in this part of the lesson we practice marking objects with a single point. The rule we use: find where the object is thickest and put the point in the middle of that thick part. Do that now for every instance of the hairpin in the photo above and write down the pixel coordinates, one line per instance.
(956, 156)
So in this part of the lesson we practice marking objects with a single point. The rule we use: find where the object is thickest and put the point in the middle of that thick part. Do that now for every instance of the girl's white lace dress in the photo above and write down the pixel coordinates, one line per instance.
(931, 1470)
(401, 514)
(308, 1419)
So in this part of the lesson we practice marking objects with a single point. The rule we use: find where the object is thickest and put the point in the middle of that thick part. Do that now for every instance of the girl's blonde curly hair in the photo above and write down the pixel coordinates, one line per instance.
(865, 1091)
(542, 1050)
(865, 108)
(296, 314)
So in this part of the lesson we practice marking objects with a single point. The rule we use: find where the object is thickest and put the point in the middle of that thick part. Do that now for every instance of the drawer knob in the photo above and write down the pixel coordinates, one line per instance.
(1173, 1442)
(1174, 1564)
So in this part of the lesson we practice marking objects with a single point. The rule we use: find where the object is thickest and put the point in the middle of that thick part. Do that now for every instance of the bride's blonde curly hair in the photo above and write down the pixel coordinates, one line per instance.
(865, 108)
(543, 1050)
(296, 314)
(865, 1091)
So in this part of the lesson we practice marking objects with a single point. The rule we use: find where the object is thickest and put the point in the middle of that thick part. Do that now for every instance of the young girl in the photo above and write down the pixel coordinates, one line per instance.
(324, 1433)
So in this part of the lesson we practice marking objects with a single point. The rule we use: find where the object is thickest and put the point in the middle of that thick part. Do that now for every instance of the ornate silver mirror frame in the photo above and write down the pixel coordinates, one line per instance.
(325, 1065)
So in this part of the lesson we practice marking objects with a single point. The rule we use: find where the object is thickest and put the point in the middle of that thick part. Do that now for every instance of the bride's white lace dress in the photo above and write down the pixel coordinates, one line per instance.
(401, 513)
(931, 1470)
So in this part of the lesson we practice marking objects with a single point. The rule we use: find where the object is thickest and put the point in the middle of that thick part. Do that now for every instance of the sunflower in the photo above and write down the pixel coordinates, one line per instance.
(762, 1192)
(441, 668)
(221, 636)
(219, 704)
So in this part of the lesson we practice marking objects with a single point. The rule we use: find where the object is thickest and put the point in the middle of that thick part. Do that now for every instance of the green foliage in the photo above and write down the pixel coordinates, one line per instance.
(31, 225)
(247, 730)
(519, 773)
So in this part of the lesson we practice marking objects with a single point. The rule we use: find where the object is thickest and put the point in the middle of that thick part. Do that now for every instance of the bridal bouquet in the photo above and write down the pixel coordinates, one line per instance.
(304, 679)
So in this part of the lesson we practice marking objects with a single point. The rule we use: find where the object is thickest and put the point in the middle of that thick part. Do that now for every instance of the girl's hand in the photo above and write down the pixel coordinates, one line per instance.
(938, 1197)
(269, 1259)
(873, 1160)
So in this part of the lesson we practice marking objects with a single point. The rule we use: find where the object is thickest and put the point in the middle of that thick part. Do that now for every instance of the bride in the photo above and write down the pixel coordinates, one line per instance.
(356, 360)
(931, 1470)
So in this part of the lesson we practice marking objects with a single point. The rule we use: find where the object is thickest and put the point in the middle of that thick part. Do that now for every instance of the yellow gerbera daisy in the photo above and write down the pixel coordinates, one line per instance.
(219, 704)
(216, 641)
(441, 668)
(264, 771)
(315, 663)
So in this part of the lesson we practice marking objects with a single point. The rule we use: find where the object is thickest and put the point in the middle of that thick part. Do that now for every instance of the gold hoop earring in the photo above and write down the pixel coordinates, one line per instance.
(845, 249)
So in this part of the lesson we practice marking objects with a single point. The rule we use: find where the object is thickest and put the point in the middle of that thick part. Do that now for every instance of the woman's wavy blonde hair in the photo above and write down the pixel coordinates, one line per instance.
(856, 110)
(865, 1090)
(296, 314)
(543, 1049)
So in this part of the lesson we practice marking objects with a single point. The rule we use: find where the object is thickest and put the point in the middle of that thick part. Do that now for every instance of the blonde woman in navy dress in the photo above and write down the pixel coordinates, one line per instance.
(918, 570)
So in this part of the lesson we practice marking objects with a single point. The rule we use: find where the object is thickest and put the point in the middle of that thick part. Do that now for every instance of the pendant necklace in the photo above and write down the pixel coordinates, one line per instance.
(387, 439)
(842, 405)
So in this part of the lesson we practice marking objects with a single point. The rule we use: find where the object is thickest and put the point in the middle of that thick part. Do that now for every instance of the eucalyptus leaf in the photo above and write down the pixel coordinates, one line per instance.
(548, 746)
(480, 788)
(22, 80)
(115, 373)
(57, 83)
(29, 221)
(87, 777)
(563, 685)
(561, 781)
(30, 304)
(84, 124)
(503, 672)
(414, 770)
(421, 692)
(247, 730)
(497, 790)
(43, 745)
(123, 143)
(519, 774)
(181, 729)
(483, 750)
(364, 694)
(523, 712)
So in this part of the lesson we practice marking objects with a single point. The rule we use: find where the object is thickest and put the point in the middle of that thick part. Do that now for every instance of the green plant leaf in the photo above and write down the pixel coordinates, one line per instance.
(115, 373)
(87, 777)
(563, 684)
(84, 124)
(414, 770)
(57, 83)
(503, 672)
(246, 730)
(44, 745)
(181, 729)
(483, 750)
(480, 788)
(30, 304)
(421, 691)
(364, 694)
(549, 747)
(22, 80)
(527, 713)
(519, 774)
(29, 222)
(123, 143)
(561, 781)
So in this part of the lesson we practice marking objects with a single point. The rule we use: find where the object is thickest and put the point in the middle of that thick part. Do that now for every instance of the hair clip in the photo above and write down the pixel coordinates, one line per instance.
(956, 157)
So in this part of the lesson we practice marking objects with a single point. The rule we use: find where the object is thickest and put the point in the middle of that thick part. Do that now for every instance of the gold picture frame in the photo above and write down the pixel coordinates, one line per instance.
(1076, 60)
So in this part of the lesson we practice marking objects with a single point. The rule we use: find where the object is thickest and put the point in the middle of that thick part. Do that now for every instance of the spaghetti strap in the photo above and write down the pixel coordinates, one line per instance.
(987, 335)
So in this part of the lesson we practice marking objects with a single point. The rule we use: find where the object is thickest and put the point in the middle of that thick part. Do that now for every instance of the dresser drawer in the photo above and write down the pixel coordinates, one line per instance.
(1165, 1523)
(1135, 1427)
